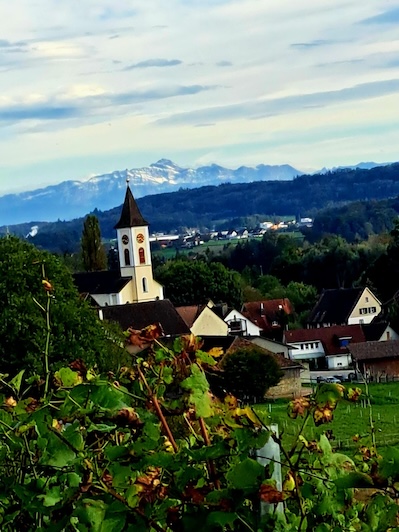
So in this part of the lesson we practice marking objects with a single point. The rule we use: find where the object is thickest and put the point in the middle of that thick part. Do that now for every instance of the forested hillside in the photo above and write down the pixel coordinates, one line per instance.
(326, 197)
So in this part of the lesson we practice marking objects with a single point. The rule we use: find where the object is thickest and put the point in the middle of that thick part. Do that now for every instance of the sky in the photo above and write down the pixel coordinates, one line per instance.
(91, 86)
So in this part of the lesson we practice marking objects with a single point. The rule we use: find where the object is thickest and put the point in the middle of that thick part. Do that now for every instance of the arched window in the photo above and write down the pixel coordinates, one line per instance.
(141, 256)
(127, 257)
(145, 284)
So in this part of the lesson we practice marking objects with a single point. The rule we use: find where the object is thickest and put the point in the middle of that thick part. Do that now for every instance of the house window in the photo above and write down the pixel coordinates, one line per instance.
(306, 346)
(316, 345)
(388, 335)
(301, 346)
(339, 363)
(373, 310)
(127, 257)
(141, 256)
(145, 284)
(367, 299)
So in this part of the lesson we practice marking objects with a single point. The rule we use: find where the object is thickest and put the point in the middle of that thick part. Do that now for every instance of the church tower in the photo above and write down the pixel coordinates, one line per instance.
(135, 253)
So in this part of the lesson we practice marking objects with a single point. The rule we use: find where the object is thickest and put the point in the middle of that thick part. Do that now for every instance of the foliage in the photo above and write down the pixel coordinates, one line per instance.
(93, 253)
(150, 448)
(75, 330)
(191, 282)
(249, 373)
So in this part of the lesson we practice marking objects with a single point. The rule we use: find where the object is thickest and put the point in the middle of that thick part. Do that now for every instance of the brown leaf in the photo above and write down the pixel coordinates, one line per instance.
(270, 494)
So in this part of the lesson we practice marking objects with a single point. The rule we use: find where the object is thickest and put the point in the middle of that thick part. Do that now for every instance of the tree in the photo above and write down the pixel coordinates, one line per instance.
(94, 257)
(75, 330)
(192, 282)
(250, 372)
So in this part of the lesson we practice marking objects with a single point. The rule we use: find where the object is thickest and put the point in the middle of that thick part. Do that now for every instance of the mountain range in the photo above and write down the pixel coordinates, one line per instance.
(71, 199)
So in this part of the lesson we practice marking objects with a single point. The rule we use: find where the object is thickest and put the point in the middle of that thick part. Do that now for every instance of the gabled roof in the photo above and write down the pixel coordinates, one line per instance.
(328, 336)
(264, 313)
(104, 282)
(140, 315)
(375, 350)
(335, 306)
(374, 330)
(131, 215)
(190, 313)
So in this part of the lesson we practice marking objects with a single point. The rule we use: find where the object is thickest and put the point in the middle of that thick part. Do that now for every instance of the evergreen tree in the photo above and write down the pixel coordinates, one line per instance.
(94, 257)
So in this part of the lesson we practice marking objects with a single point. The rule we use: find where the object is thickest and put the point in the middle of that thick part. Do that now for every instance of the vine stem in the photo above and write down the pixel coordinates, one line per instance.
(158, 410)
(211, 463)
(370, 409)
(47, 347)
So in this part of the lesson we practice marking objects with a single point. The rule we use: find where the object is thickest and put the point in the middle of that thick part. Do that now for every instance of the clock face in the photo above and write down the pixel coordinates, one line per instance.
(125, 239)
(140, 238)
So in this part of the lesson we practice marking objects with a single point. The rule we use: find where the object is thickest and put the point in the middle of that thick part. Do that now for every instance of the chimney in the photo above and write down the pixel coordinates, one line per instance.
(262, 309)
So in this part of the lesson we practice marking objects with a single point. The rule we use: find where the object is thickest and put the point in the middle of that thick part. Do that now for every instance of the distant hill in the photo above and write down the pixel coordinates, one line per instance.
(241, 204)
(71, 199)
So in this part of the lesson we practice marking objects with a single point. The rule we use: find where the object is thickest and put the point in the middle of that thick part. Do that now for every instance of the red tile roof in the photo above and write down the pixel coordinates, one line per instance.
(264, 313)
(328, 336)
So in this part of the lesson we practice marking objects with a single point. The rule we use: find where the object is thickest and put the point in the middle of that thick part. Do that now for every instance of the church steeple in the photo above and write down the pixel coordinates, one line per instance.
(135, 252)
(131, 215)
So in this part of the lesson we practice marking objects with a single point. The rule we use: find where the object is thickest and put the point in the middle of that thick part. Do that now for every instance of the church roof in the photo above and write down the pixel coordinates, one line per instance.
(131, 215)
(102, 282)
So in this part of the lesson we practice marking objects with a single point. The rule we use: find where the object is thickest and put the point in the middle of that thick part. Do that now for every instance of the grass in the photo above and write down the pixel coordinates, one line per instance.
(350, 419)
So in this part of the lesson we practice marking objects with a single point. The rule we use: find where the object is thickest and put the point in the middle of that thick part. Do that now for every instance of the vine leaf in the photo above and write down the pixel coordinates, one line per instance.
(198, 387)
(354, 480)
(16, 382)
(67, 378)
(246, 474)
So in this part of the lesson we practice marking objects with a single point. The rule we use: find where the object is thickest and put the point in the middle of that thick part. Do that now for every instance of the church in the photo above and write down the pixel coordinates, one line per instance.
(134, 282)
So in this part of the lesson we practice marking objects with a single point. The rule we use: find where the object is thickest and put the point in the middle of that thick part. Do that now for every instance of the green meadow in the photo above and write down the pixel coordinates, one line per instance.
(350, 419)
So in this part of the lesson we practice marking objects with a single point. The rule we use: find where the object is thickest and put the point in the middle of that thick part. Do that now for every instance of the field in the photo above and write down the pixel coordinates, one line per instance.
(215, 246)
(350, 419)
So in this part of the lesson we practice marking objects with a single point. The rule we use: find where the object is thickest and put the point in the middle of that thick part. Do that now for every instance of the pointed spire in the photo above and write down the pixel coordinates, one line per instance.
(131, 215)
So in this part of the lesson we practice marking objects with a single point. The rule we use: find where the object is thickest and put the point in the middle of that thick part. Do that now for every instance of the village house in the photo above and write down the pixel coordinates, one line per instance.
(377, 361)
(324, 347)
(202, 320)
(344, 306)
(271, 316)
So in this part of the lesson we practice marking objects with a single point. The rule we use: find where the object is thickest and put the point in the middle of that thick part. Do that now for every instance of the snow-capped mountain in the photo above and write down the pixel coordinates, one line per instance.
(71, 199)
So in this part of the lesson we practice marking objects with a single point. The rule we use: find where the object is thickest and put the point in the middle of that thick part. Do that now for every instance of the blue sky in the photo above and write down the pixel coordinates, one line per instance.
(97, 85)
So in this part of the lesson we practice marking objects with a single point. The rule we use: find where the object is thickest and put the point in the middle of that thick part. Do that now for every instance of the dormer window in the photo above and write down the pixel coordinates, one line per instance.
(344, 341)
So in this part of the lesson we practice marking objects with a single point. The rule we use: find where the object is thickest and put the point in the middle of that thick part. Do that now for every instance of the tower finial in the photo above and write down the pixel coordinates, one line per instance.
(127, 177)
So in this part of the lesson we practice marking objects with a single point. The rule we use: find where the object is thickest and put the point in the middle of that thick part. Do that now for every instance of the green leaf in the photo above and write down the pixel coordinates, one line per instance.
(16, 382)
(68, 378)
(205, 358)
(101, 427)
(91, 512)
(354, 480)
(222, 519)
(52, 497)
(248, 474)
(198, 387)
(389, 465)
(152, 430)
(113, 524)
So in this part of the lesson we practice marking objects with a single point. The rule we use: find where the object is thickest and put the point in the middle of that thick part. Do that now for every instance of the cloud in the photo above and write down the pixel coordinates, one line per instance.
(288, 104)
(85, 102)
(390, 16)
(4, 43)
(311, 44)
(224, 64)
(150, 63)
